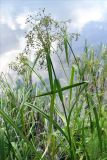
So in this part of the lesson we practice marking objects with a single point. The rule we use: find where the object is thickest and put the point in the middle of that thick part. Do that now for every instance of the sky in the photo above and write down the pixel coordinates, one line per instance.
(88, 17)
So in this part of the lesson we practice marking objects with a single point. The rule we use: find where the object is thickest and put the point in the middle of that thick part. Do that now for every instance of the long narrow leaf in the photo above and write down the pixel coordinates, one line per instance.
(49, 66)
(10, 121)
(48, 118)
(70, 83)
(63, 89)
(66, 47)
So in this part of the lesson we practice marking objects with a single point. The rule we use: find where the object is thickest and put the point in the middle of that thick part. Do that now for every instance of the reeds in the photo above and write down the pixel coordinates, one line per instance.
(38, 122)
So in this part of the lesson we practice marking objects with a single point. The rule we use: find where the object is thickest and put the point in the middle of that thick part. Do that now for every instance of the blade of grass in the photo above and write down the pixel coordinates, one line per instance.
(74, 58)
(48, 118)
(10, 121)
(69, 116)
(66, 46)
(83, 142)
(70, 83)
(61, 63)
(63, 88)
(40, 78)
(97, 124)
(49, 66)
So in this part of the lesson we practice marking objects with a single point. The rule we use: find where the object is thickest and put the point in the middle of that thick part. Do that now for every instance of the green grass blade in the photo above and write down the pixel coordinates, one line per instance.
(10, 121)
(97, 124)
(70, 83)
(58, 85)
(98, 128)
(49, 66)
(69, 116)
(48, 118)
(66, 47)
(83, 141)
(63, 89)
(2, 144)
(40, 78)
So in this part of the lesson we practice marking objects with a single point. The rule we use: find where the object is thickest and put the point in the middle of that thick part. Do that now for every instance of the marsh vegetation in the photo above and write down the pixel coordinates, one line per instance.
(48, 119)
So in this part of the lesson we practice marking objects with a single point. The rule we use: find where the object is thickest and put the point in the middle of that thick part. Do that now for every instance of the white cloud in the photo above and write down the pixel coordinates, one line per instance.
(22, 43)
(8, 20)
(83, 17)
(14, 21)
(21, 20)
(8, 57)
(81, 14)
(87, 13)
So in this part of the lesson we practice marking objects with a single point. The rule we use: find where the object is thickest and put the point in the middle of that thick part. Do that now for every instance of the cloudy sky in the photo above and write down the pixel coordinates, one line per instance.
(89, 18)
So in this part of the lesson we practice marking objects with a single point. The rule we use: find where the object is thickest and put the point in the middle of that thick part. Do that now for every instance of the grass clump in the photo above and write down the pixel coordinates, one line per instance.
(49, 119)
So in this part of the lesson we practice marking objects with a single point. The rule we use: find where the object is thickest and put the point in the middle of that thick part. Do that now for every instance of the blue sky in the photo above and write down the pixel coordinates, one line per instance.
(89, 18)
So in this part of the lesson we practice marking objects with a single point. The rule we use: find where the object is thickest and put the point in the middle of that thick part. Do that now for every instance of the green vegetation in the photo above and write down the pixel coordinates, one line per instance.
(49, 119)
